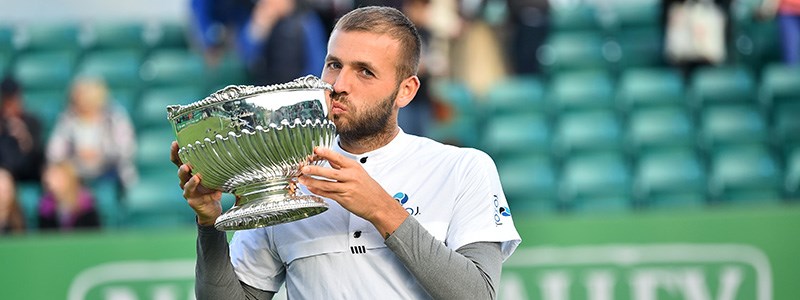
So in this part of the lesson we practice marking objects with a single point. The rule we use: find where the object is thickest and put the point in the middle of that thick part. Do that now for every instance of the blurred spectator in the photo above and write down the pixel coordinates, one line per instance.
(21, 141)
(94, 135)
(279, 40)
(67, 203)
(788, 15)
(529, 20)
(696, 32)
(11, 218)
(417, 117)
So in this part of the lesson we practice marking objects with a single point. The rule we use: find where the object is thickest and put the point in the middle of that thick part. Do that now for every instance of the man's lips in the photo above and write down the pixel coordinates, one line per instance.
(337, 107)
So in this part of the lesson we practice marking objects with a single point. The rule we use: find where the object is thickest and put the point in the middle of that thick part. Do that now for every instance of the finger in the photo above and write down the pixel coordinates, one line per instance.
(336, 160)
(323, 172)
(184, 174)
(173, 154)
(322, 188)
(190, 188)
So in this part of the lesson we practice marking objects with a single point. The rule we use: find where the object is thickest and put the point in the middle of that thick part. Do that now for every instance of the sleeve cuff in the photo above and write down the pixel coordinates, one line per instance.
(207, 230)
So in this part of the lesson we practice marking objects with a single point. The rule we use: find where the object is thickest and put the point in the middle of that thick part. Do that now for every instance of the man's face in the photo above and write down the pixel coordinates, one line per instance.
(361, 66)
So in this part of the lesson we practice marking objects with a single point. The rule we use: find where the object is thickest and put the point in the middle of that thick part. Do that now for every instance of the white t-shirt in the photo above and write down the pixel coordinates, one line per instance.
(453, 192)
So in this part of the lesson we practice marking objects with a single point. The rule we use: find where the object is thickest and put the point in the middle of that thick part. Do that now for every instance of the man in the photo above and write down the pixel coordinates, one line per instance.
(21, 142)
(409, 218)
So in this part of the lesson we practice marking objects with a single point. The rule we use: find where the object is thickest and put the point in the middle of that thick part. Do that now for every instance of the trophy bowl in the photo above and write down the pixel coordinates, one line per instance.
(252, 141)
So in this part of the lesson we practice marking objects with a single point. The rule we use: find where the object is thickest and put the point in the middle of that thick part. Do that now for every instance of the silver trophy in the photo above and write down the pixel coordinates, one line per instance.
(251, 141)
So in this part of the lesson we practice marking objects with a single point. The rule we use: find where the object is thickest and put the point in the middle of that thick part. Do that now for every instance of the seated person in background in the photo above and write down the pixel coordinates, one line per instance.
(11, 218)
(21, 141)
(66, 204)
(278, 40)
(95, 136)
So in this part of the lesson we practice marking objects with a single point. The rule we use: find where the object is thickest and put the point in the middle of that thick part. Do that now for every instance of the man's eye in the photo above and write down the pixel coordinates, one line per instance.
(334, 65)
(367, 72)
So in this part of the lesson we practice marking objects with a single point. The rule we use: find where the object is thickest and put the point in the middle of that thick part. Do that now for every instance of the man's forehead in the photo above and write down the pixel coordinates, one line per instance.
(362, 47)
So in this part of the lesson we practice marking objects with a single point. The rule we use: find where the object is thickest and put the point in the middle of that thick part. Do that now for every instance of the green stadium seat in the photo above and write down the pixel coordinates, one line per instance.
(670, 178)
(792, 182)
(47, 105)
(45, 70)
(569, 17)
(757, 43)
(651, 86)
(656, 127)
(635, 14)
(747, 173)
(119, 68)
(173, 67)
(125, 97)
(458, 122)
(455, 96)
(168, 35)
(156, 201)
(582, 90)
(28, 195)
(787, 124)
(516, 135)
(6, 38)
(152, 106)
(230, 71)
(596, 182)
(108, 203)
(640, 48)
(50, 37)
(152, 149)
(460, 131)
(715, 85)
(569, 51)
(5, 61)
(587, 131)
(780, 83)
(529, 184)
(117, 35)
(514, 95)
(732, 124)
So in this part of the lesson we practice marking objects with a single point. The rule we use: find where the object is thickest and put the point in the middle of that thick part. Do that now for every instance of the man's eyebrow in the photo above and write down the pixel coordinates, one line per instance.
(365, 65)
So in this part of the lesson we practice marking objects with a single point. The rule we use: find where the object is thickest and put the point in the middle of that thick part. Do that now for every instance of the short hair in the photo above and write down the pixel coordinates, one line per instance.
(387, 20)
(9, 88)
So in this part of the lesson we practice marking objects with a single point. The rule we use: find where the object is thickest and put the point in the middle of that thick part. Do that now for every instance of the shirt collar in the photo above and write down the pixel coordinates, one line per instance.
(381, 155)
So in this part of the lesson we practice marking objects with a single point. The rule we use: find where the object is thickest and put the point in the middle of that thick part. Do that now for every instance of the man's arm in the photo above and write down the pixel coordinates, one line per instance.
(214, 274)
(471, 272)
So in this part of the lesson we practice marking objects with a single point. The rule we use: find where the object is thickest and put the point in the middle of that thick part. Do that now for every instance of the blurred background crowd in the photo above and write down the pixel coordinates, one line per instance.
(587, 106)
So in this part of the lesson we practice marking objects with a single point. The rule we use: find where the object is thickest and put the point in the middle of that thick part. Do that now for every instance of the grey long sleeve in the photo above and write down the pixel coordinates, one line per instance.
(470, 272)
(214, 275)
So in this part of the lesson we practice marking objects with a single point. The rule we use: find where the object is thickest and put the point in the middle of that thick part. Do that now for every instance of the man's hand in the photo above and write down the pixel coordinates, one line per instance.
(354, 190)
(204, 201)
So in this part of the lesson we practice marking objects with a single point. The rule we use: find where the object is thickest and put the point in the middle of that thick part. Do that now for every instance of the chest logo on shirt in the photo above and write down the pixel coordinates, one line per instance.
(403, 198)
(500, 211)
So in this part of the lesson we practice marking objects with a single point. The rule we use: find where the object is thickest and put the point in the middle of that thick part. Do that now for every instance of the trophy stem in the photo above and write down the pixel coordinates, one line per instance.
(268, 203)
(272, 190)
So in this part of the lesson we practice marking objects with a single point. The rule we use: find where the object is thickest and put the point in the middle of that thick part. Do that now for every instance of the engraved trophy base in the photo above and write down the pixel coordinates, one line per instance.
(265, 207)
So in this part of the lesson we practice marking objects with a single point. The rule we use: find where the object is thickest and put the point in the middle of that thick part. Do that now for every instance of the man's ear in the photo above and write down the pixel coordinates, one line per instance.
(408, 89)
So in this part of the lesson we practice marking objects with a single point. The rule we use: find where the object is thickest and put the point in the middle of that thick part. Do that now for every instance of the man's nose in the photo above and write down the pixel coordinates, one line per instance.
(341, 84)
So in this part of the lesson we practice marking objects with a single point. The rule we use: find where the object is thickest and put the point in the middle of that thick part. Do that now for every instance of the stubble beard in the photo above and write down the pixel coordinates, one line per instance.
(371, 124)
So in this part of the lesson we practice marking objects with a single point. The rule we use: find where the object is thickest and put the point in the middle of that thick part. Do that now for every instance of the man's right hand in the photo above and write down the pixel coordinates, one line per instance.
(204, 201)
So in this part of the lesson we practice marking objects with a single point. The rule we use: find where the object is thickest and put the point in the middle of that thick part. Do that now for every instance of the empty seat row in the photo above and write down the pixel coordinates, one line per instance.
(670, 177)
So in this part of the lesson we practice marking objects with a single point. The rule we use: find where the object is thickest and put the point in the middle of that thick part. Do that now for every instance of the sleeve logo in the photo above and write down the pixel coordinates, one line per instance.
(499, 211)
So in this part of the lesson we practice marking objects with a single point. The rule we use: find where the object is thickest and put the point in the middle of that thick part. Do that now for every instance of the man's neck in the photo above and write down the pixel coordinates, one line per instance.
(361, 146)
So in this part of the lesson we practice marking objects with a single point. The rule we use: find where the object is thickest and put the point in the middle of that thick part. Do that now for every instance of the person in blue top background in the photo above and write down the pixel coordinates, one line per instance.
(278, 40)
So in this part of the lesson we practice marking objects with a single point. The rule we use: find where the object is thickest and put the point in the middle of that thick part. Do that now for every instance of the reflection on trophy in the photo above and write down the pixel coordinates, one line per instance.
(252, 141)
